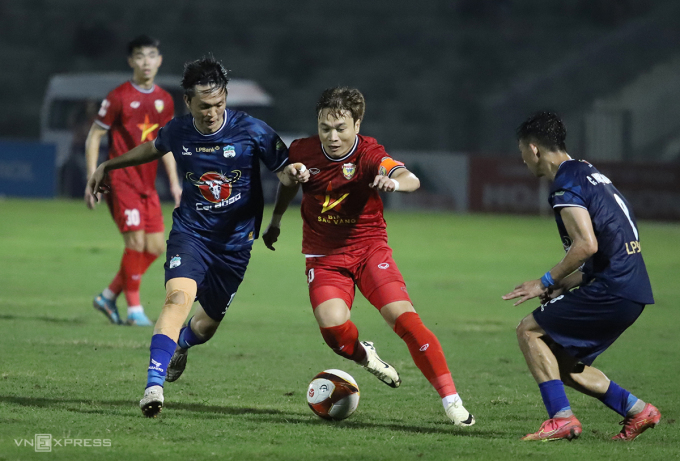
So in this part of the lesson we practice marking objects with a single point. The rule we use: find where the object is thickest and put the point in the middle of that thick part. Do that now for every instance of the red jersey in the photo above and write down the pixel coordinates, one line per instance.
(339, 210)
(133, 116)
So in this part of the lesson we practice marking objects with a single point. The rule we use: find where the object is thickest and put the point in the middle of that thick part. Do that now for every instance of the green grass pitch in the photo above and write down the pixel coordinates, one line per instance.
(65, 371)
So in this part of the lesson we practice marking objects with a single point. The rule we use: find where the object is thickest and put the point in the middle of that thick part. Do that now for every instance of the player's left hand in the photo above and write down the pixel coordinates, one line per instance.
(270, 236)
(526, 291)
(176, 191)
(96, 182)
(383, 183)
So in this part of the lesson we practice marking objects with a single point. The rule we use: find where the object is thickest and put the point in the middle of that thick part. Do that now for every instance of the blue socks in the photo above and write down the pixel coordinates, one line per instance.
(188, 338)
(554, 398)
(162, 348)
(618, 399)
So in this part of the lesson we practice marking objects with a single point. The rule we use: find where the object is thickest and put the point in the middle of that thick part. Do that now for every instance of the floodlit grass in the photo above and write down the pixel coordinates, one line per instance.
(65, 371)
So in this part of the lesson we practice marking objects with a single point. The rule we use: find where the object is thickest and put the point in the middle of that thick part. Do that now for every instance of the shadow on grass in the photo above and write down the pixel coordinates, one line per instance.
(264, 415)
(45, 318)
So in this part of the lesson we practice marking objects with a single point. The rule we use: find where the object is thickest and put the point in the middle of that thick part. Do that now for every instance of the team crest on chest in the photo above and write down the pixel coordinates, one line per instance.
(229, 151)
(348, 170)
(159, 104)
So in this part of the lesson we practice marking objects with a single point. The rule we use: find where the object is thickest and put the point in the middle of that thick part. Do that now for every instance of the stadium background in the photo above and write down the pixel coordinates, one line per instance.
(444, 77)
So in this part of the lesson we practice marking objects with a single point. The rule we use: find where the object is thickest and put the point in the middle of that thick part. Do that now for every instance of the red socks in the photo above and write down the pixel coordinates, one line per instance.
(426, 351)
(128, 278)
(344, 340)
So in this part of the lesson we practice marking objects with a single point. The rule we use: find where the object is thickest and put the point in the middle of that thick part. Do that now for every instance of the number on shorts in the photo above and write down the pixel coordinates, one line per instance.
(132, 217)
(627, 213)
(310, 276)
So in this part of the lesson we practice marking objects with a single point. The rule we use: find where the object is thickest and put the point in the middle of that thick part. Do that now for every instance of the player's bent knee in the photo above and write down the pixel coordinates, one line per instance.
(177, 298)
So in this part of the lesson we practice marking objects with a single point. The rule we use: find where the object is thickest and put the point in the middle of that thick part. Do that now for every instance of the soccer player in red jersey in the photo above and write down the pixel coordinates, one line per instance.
(345, 243)
(132, 114)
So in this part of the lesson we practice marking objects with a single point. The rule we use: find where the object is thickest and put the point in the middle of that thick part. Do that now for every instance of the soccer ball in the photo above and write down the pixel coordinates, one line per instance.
(333, 394)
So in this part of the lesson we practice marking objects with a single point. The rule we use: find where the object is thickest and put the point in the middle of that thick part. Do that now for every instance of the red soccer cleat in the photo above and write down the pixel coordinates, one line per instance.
(557, 429)
(637, 424)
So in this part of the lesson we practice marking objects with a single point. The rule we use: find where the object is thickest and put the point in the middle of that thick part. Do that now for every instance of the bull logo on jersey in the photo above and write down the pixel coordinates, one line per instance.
(215, 187)
(348, 170)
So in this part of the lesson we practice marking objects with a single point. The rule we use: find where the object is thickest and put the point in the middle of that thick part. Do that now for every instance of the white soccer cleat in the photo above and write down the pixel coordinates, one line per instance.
(177, 364)
(152, 403)
(382, 370)
(459, 415)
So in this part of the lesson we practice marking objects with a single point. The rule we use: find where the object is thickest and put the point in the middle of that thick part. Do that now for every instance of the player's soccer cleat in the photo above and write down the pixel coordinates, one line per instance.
(637, 424)
(459, 415)
(108, 308)
(139, 319)
(152, 402)
(177, 364)
(382, 370)
(557, 429)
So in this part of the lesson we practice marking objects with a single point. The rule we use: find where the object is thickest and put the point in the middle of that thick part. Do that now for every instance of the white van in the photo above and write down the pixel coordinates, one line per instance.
(72, 100)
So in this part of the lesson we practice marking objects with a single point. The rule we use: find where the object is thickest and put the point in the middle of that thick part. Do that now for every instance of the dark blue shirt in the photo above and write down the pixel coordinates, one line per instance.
(617, 268)
(222, 199)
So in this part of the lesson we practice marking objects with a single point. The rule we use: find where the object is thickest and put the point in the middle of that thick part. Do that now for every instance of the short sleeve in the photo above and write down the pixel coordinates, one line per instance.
(108, 111)
(162, 143)
(379, 162)
(567, 191)
(273, 151)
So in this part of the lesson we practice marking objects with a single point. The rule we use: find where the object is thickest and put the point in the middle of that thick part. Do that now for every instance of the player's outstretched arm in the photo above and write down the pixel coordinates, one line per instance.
(402, 180)
(144, 153)
(561, 277)
(94, 139)
(171, 169)
(284, 195)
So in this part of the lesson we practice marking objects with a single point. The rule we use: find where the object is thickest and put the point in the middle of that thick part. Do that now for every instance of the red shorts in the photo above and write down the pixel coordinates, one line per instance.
(372, 269)
(132, 211)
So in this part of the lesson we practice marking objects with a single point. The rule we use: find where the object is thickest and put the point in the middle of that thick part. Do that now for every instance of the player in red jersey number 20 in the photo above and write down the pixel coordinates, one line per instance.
(345, 243)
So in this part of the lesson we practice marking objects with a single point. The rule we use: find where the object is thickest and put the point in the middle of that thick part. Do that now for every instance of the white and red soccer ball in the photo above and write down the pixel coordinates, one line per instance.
(333, 394)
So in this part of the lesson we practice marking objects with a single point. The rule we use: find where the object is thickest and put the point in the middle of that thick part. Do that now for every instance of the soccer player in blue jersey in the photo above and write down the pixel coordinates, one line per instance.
(591, 296)
(219, 216)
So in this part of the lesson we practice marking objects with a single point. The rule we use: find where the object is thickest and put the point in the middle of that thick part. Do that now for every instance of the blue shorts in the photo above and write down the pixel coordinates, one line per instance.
(584, 326)
(217, 272)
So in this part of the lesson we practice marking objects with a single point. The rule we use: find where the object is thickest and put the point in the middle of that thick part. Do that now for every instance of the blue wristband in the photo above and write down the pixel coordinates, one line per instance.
(547, 280)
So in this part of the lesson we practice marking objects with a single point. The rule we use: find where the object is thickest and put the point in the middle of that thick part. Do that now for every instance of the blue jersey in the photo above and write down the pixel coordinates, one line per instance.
(617, 268)
(222, 199)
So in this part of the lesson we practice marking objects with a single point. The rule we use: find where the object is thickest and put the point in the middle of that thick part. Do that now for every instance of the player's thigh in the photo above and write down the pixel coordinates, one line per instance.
(127, 209)
(380, 280)
(218, 289)
(154, 243)
(153, 214)
(328, 279)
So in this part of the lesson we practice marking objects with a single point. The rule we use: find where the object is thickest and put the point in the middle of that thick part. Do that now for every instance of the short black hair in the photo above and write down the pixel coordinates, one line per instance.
(544, 128)
(205, 71)
(142, 41)
(340, 99)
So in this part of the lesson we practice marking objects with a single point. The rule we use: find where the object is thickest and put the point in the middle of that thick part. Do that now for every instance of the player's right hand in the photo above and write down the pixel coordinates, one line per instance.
(270, 236)
(96, 183)
(91, 200)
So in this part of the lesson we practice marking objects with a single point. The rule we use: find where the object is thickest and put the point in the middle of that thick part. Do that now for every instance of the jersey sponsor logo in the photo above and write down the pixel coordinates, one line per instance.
(104, 108)
(383, 266)
(217, 206)
(348, 170)
(229, 151)
(185, 151)
(424, 347)
(208, 149)
(135, 104)
(331, 200)
(598, 178)
(215, 187)
(314, 171)
(159, 105)
(175, 261)
(147, 128)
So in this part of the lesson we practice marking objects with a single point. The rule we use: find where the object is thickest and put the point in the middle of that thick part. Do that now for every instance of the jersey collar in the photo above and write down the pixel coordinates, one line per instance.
(346, 156)
(142, 90)
(224, 122)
